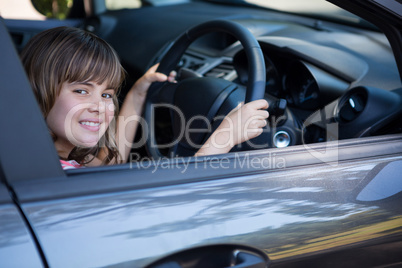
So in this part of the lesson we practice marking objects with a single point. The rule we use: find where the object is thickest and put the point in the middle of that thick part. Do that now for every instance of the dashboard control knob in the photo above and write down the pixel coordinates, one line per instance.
(281, 139)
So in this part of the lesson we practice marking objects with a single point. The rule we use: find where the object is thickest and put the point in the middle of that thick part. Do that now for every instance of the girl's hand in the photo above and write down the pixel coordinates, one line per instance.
(243, 123)
(141, 86)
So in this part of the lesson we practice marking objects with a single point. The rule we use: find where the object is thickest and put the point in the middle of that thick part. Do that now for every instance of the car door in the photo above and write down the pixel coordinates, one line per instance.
(306, 213)
(17, 245)
(332, 204)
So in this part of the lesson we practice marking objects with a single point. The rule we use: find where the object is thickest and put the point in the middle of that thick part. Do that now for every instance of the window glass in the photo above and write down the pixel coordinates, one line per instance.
(56, 9)
(35, 9)
(19, 9)
(120, 4)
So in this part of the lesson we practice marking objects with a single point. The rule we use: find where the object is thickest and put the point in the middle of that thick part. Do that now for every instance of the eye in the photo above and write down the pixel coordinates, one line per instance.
(107, 95)
(81, 91)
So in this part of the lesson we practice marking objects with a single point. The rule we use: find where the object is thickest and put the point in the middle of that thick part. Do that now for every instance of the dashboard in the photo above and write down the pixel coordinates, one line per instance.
(309, 72)
(300, 83)
(309, 64)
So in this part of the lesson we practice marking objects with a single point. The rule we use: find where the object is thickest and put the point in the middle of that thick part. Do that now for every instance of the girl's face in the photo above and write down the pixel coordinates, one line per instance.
(81, 115)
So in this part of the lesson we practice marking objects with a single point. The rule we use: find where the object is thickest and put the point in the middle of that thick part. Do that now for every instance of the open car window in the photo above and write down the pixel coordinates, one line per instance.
(298, 73)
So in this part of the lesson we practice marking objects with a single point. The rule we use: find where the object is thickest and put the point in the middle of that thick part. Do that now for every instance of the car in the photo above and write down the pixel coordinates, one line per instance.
(321, 187)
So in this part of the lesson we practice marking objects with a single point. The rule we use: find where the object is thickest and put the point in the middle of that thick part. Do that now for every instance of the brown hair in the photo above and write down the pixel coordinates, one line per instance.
(67, 54)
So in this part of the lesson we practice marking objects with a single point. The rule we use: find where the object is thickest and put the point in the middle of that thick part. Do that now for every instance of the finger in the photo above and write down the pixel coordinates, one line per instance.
(160, 77)
(259, 115)
(155, 77)
(262, 113)
(259, 104)
(149, 75)
(173, 73)
(252, 133)
(153, 68)
(258, 123)
(172, 76)
(262, 123)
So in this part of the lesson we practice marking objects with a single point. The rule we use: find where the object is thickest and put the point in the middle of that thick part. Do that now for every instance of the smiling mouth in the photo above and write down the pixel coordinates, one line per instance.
(91, 124)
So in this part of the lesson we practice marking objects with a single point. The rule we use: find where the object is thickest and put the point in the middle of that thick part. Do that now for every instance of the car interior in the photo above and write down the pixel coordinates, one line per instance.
(317, 73)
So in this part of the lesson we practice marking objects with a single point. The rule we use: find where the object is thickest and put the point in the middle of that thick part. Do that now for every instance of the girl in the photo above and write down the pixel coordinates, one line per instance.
(76, 78)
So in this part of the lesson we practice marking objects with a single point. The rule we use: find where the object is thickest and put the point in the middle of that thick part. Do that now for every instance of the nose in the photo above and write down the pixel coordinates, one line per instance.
(97, 105)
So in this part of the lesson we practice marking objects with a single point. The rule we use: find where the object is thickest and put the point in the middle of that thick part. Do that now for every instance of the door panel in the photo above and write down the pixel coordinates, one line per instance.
(215, 256)
(17, 248)
(293, 215)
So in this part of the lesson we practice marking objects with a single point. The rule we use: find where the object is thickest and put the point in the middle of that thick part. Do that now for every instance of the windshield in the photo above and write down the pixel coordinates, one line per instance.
(316, 8)
(297, 5)
(320, 8)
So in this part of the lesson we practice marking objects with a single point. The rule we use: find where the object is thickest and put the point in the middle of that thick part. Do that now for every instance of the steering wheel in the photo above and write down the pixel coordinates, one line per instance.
(206, 96)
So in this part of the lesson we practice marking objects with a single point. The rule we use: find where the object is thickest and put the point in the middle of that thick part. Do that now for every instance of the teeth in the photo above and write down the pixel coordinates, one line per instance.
(92, 124)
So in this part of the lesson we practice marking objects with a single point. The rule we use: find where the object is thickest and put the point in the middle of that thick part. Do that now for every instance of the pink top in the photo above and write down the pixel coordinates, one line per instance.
(69, 164)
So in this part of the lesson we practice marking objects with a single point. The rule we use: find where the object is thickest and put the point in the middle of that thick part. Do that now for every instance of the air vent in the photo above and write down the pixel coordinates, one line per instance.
(224, 70)
(352, 107)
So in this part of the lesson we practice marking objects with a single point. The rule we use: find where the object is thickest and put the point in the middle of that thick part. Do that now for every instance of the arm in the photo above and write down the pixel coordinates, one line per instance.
(130, 112)
(241, 124)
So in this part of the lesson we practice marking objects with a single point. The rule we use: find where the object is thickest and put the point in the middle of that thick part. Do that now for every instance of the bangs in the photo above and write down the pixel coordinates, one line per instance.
(94, 60)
